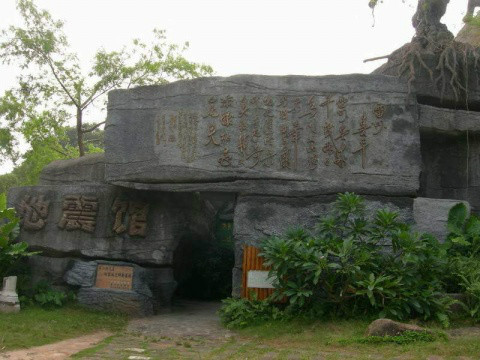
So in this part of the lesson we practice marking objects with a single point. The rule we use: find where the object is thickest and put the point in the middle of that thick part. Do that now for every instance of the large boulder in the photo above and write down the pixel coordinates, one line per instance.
(108, 222)
(121, 286)
(86, 169)
(387, 327)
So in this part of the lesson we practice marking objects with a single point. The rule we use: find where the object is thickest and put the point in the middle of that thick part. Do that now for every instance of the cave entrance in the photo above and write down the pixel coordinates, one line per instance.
(203, 266)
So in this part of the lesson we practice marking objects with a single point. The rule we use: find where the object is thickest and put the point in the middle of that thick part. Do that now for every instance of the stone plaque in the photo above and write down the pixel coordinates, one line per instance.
(114, 277)
(259, 279)
(285, 135)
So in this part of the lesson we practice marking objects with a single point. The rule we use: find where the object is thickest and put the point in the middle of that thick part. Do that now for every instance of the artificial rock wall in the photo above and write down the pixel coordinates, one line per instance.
(273, 149)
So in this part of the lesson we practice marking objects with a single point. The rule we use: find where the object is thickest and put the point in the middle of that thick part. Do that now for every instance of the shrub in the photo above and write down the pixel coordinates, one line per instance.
(239, 313)
(355, 265)
(463, 249)
(10, 253)
(43, 295)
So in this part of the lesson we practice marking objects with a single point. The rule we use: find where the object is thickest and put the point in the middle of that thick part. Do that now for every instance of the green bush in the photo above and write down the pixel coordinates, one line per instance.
(43, 295)
(239, 313)
(10, 253)
(463, 249)
(355, 265)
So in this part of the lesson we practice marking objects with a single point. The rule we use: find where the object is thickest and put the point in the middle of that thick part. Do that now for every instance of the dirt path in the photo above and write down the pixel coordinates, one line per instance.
(58, 351)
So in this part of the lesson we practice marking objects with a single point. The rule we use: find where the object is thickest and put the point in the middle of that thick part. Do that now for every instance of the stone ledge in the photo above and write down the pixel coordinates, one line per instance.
(87, 169)
(433, 118)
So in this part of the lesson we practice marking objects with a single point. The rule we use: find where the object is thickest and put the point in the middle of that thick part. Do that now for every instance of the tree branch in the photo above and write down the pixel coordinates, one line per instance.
(60, 82)
(93, 128)
(96, 95)
(377, 58)
(58, 151)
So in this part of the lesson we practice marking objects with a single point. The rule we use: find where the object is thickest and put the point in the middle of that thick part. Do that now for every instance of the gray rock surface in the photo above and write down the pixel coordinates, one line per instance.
(450, 147)
(126, 302)
(152, 288)
(49, 269)
(451, 166)
(431, 215)
(87, 169)
(448, 120)
(265, 134)
(387, 327)
(170, 217)
(429, 91)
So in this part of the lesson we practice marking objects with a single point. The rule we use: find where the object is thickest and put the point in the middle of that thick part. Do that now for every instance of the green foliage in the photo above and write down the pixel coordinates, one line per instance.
(10, 253)
(3, 201)
(239, 313)
(347, 267)
(464, 232)
(44, 296)
(9, 226)
(8, 181)
(472, 19)
(35, 326)
(61, 146)
(463, 247)
(52, 87)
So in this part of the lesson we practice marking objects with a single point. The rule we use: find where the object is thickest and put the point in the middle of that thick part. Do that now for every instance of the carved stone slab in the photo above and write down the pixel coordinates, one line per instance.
(104, 221)
(102, 289)
(266, 134)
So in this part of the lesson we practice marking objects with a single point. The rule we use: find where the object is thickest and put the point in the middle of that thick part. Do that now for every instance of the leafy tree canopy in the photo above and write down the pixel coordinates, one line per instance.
(53, 88)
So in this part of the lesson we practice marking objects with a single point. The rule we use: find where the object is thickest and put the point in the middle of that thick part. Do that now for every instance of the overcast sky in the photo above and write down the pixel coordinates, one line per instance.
(277, 37)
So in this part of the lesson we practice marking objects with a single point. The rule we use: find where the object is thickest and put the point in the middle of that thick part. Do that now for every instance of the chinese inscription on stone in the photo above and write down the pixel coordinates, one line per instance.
(130, 217)
(114, 277)
(33, 211)
(79, 213)
(286, 133)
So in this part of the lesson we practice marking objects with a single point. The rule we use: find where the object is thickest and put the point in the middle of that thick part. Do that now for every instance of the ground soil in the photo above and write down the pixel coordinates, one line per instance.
(192, 330)
(60, 350)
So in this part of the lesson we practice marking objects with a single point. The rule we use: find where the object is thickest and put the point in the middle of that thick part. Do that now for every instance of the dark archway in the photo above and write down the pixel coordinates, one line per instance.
(203, 266)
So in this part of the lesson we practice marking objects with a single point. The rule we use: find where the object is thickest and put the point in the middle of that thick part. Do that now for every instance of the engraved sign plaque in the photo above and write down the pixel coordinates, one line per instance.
(259, 279)
(114, 277)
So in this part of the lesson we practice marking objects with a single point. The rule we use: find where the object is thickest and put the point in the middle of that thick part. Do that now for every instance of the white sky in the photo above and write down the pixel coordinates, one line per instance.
(273, 37)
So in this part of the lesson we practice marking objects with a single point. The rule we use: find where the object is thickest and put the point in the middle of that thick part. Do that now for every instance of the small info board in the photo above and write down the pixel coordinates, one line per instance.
(114, 277)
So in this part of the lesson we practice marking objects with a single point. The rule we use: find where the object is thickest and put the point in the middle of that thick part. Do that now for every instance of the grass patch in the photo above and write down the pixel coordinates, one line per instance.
(93, 350)
(342, 339)
(35, 326)
(407, 337)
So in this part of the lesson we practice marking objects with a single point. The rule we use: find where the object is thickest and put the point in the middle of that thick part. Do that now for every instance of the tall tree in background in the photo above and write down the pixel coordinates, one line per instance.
(52, 88)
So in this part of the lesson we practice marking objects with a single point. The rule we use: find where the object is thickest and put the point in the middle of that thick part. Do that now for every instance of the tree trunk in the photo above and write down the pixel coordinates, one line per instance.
(472, 4)
(81, 148)
(429, 31)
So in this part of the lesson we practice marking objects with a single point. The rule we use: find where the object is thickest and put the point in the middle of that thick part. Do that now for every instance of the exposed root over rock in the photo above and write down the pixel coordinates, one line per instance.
(452, 67)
